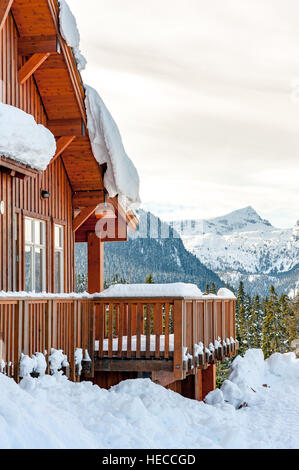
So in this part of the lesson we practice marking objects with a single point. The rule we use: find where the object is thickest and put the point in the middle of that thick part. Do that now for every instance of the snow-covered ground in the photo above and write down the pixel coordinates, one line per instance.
(52, 412)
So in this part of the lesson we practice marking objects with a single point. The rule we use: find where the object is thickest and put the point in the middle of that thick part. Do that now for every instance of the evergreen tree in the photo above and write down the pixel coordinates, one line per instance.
(273, 325)
(241, 329)
(81, 283)
(256, 323)
(115, 280)
(149, 279)
(213, 289)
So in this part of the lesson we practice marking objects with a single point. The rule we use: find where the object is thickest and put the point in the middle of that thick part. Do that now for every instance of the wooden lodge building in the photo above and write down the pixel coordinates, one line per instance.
(173, 339)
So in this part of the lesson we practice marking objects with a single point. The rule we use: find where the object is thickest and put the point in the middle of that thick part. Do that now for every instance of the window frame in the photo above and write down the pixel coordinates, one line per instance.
(33, 245)
(59, 249)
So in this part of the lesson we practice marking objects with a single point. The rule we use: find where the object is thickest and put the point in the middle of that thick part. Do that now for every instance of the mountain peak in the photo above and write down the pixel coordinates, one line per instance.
(241, 219)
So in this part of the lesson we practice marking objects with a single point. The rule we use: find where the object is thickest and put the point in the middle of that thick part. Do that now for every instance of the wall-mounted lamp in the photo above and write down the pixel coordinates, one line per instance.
(45, 194)
(105, 210)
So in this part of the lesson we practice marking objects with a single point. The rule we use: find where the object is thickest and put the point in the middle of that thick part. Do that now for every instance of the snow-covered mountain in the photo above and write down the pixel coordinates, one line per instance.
(153, 249)
(242, 245)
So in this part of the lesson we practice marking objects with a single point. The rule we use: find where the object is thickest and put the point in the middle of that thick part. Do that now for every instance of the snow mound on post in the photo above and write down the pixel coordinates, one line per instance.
(23, 140)
(70, 33)
(121, 177)
(177, 289)
(226, 293)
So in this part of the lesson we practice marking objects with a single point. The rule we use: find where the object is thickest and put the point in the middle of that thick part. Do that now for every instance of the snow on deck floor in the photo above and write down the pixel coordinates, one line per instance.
(52, 412)
(134, 343)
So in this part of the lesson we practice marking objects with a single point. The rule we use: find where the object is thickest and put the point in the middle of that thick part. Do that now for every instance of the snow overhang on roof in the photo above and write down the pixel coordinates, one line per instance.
(23, 140)
(66, 112)
(121, 177)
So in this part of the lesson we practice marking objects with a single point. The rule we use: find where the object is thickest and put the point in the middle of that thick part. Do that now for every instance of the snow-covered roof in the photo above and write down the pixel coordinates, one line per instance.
(23, 140)
(70, 33)
(121, 177)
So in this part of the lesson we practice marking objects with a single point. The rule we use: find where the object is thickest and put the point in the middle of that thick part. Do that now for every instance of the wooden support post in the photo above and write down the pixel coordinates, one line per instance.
(198, 385)
(31, 66)
(95, 263)
(191, 386)
(208, 380)
(5, 6)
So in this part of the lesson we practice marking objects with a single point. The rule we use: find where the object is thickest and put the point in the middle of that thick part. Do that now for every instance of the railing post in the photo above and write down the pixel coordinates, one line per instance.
(72, 360)
(178, 339)
(26, 332)
(91, 334)
(195, 324)
(18, 339)
(48, 314)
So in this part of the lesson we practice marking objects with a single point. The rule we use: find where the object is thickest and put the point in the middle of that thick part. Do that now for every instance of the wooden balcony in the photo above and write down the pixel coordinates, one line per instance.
(172, 337)
(176, 335)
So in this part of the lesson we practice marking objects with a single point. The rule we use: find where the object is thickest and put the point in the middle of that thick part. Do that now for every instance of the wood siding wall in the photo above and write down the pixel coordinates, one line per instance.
(22, 197)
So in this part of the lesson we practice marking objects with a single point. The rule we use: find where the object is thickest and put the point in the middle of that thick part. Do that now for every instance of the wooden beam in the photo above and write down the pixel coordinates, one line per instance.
(85, 198)
(28, 45)
(95, 255)
(61, 144)
(5, 6)
(31, 66)
(138, 365)
(70, 61)
(84, 215)
(66, 127)
(17, 167)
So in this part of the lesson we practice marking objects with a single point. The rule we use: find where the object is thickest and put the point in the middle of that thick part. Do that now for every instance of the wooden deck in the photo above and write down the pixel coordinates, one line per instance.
(153, 334)
(168, 337)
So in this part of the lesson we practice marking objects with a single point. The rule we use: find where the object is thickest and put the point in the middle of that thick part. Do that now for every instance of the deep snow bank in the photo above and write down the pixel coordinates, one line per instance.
(54, 412)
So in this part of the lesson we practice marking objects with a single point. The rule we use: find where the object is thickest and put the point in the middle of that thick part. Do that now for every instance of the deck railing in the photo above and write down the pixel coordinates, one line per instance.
(171, 329)
(141, 334)
(30, 325)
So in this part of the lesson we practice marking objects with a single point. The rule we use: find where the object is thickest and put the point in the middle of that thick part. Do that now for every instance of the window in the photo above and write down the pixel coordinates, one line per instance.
(58, 257)
(35, 255)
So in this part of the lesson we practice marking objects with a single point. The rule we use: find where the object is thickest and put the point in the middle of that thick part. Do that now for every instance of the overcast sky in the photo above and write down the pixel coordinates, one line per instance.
(206, 96)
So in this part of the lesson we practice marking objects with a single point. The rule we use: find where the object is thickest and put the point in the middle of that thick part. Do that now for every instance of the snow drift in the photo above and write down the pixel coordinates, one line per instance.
(52, 412)
(23, 140)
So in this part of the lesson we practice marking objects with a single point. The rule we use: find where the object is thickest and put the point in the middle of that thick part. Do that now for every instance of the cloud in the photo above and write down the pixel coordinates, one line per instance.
(206, 95)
